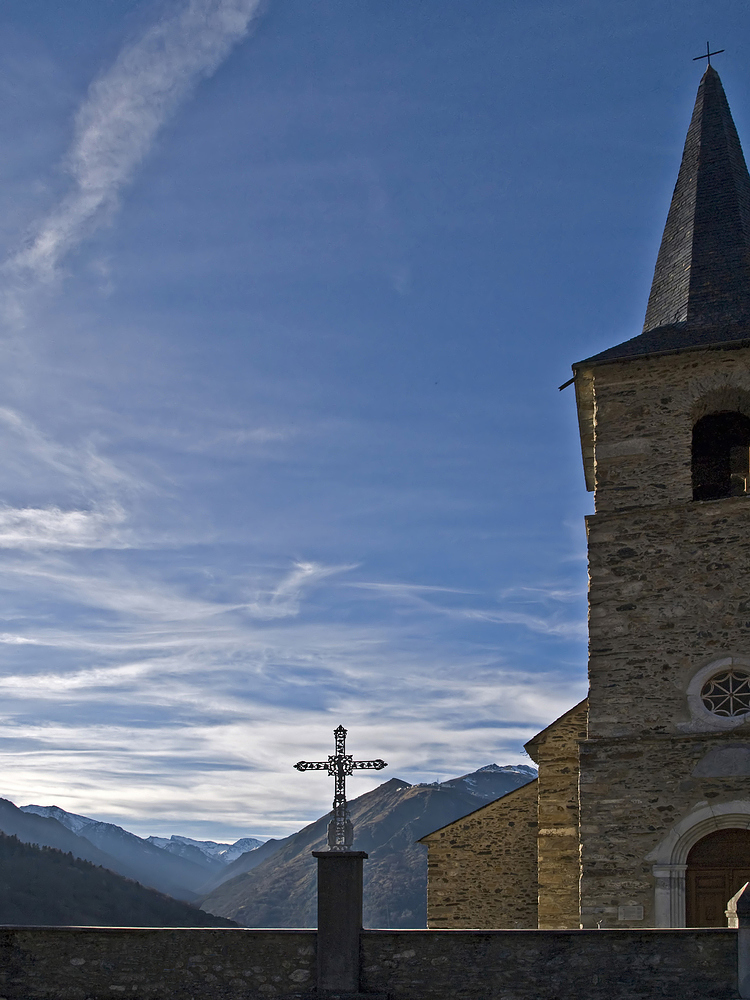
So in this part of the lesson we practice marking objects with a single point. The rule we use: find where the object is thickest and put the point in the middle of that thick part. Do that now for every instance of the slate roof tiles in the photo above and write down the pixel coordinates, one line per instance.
(700, 296)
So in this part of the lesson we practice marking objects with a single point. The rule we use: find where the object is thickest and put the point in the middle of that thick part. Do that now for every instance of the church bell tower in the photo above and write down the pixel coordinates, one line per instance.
(664, 787)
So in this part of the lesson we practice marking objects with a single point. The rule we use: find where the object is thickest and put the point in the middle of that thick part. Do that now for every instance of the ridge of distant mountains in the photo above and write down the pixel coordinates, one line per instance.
(275, 885)
(43, 885)
(213, 855)
(106, 844)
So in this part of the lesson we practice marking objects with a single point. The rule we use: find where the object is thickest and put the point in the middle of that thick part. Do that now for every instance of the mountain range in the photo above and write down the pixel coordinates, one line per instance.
(209, 853)
(41, 885)
(272, 884)
(181, 875)
(275, 885)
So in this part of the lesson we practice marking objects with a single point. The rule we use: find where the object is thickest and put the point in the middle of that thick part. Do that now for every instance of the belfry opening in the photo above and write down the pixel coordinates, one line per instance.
(721, 456)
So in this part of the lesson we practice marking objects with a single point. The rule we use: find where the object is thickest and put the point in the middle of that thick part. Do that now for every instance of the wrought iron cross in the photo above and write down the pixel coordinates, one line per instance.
(340, 764)
(708, 54)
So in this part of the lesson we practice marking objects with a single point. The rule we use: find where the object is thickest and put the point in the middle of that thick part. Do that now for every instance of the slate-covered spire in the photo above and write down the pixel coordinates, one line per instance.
(702, 275)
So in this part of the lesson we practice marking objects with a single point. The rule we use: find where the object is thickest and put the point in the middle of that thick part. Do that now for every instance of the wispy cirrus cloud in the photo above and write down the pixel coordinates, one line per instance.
(180, 672)
(537, 609)
(544, 624)
(17, 640)
(79, 470)
(198, 729)
(284, 599)
(81, 465)
(51, 527)
(118, 121)
(408, 589)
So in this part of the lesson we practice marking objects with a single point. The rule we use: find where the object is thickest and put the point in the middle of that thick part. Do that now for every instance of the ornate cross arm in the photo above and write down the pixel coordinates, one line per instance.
(339, 765)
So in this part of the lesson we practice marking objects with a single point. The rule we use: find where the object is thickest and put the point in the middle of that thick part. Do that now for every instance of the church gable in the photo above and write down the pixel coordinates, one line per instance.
(482, 868)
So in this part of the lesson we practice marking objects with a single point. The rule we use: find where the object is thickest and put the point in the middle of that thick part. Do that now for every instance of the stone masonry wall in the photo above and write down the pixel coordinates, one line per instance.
(645, 410)
(555, 750)
(90, 963)
(550, 965)
(94, 963)
(668, 594)
(633, 793)
(482, 868)
(668, 597)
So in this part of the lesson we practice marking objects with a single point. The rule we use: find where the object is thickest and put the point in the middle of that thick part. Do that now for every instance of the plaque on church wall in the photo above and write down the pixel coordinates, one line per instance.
(630, 913)
(724, 762)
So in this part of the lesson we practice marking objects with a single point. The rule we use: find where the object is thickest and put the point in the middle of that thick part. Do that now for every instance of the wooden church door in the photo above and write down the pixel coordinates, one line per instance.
(717, 866)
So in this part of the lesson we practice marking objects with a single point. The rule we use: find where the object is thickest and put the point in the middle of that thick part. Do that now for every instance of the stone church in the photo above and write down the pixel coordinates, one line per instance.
(640, 816)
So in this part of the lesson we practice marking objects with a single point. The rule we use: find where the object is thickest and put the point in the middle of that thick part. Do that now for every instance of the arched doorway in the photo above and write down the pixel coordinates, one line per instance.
(717, 866)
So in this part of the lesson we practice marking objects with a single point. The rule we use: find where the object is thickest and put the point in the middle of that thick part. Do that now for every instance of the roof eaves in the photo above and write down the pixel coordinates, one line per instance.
(721, 345)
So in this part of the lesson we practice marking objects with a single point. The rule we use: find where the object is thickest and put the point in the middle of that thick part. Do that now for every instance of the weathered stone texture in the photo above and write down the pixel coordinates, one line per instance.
(632, 794)
(668, 595)
(550, 965)
(94, 963)
(482, 868)
(555, 750)
(644, 415)
(84, 963)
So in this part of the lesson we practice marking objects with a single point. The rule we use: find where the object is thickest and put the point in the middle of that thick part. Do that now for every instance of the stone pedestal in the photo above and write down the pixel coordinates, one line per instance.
(742, 909)
(339, 919)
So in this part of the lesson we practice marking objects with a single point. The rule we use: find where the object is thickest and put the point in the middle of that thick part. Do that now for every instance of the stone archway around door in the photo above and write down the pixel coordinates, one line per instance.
(670, 856)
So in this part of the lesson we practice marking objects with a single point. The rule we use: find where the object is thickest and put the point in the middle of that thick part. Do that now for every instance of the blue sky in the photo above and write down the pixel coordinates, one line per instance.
(288, 290)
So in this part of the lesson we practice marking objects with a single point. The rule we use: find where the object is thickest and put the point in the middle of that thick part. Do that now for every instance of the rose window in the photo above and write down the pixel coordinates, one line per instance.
(728, 693)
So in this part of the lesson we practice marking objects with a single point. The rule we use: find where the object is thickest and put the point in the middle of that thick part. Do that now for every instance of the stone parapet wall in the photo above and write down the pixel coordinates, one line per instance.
(482, 869)
(550, 965)
(90, 963)
(94, 963)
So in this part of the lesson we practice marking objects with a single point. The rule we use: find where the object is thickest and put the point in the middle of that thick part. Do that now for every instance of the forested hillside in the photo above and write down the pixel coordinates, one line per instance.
(42, 885)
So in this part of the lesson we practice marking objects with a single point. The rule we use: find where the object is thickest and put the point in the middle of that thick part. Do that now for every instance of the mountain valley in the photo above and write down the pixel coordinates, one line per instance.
(275, 885)
(249, 882)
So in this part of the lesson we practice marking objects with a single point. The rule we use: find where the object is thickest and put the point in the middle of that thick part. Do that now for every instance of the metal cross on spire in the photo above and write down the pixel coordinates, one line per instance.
(340, 764)
(708, 54)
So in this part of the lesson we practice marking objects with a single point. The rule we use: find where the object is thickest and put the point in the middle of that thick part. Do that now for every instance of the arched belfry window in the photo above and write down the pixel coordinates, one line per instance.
(721, 456)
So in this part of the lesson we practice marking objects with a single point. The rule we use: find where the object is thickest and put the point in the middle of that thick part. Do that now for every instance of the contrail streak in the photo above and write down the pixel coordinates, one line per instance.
(120, 116)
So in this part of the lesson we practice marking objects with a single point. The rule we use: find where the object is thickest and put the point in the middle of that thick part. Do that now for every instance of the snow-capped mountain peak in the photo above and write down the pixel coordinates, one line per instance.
(71, 821)
(520, 768)
(223, 853)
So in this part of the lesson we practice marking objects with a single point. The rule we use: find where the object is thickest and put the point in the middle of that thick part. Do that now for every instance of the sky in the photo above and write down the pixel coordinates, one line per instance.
(287, 290)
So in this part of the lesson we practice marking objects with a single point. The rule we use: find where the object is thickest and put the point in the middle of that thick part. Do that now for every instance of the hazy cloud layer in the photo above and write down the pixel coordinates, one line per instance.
(168, 702)
(146, 697)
